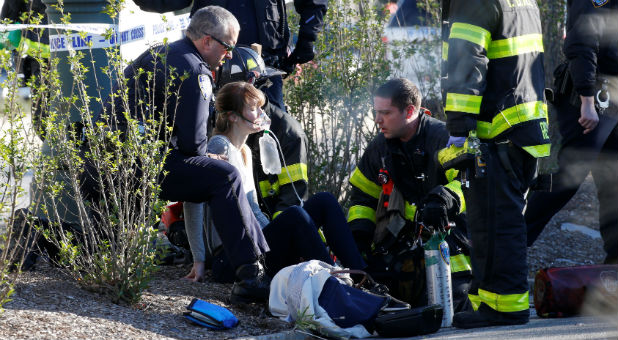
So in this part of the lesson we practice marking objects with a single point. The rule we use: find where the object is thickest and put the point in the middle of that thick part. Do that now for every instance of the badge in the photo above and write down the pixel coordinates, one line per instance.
(205, 85)
(599, 3)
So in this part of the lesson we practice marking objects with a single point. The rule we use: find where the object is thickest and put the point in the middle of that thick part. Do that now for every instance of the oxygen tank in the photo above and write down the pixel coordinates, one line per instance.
(438, 274)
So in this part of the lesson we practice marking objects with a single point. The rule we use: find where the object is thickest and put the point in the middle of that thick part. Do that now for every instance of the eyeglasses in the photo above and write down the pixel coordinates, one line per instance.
(227, 46)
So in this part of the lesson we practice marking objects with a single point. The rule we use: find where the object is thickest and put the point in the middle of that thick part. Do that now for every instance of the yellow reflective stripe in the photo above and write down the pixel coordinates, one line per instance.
(455, 186)
(538, 150)
(410, 211)
(364, 184)
(267, 189)
(515, 46)
(505, 303)
(444, 50)
(474, 34)
(475, 300)
(463, 103)
(276, 214)
(460, 263)
(451, 174)
(297, 172)
(33, 48)
(357, 212)
(510, 117)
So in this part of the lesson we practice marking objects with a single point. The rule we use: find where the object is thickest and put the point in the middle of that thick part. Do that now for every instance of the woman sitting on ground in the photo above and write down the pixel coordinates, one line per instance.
(292, 235)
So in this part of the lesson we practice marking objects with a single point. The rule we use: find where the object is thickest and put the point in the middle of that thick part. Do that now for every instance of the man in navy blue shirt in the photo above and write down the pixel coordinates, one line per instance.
(192, 174)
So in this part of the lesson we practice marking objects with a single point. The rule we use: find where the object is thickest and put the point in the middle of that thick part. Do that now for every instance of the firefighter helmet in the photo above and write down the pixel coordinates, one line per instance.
(245, 65)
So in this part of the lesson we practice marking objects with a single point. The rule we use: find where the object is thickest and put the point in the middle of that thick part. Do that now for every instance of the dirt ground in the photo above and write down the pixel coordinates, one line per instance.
(49, 305)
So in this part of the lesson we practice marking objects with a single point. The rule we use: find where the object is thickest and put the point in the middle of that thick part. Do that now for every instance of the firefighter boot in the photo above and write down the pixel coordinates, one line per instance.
(485, 317)
(252, 284)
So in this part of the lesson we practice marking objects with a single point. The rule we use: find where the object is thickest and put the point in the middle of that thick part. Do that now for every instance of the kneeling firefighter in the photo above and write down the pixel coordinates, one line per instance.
(397, 188)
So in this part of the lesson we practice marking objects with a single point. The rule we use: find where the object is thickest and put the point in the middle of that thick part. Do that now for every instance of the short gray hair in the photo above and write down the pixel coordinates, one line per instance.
(212, 20)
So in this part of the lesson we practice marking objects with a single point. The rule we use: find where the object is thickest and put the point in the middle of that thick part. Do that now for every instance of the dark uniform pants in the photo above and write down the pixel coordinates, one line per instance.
(596, 151)
(200, 179)
(495, 206)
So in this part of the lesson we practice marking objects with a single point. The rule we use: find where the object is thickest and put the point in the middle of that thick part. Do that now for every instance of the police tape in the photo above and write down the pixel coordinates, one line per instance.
(91, 28)
(94, 36)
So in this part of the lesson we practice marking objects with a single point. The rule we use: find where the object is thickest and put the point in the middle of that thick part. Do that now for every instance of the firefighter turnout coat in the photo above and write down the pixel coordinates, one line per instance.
(276, 192)
(494, 84)
(415, 173)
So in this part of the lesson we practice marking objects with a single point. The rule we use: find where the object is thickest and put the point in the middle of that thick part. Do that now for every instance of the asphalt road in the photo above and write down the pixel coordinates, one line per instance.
(573, 328)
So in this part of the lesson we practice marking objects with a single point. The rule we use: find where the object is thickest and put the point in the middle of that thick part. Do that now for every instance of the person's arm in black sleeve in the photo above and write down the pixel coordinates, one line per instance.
(294, 148)
(191, 115)
(467, 63)
(162, 6)
(312, 14)
(581, 45)
(366, 192)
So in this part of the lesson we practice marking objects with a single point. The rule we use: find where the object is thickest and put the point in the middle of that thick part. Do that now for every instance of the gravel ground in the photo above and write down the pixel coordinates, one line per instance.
(48, 305)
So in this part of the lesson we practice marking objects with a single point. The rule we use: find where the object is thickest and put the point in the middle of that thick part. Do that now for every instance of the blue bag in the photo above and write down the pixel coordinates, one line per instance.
(208, 315)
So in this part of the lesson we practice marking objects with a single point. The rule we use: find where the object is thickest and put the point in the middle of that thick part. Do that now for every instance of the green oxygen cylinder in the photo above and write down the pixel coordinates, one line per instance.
(438, 275)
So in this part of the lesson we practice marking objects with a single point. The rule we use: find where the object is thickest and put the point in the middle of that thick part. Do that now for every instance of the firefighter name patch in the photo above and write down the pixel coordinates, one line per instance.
(205, 85)
(599, 3)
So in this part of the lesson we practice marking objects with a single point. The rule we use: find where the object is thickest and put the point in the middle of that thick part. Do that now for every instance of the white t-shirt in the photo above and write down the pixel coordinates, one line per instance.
(221, 145)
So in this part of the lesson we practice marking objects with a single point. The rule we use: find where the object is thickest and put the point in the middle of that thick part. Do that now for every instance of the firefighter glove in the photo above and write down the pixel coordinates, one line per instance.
(434, 215)
(303, 52)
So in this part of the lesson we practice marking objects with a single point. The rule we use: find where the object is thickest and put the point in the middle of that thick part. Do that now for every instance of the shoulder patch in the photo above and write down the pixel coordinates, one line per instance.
(599, 3)
(205, 85)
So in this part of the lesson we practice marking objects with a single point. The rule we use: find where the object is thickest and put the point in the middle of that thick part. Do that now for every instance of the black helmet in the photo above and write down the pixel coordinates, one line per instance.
(245, 65)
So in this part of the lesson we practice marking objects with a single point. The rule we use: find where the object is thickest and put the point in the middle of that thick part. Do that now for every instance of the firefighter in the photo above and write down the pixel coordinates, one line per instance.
(497, 115)
(264, 22)
(398, 183)
(586, 95)
(192, 174)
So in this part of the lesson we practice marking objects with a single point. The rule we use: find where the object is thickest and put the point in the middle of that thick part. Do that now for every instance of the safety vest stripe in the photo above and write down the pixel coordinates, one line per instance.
(460, 263)
(33, 48)
(455, 186)
(451, 174)
(410, 211)
(357, 212)
(538, 150)
(463, 103)
(515, 46)
(475, 300)
(364, 184)
(474, 34)
(293, 173)
(510, 117)
(444, 50)
(267, 189)
(505, 303)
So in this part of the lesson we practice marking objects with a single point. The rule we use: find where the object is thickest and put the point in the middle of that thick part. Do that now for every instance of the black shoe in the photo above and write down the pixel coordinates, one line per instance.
(476, 320)
(253, 285)
(393, 305)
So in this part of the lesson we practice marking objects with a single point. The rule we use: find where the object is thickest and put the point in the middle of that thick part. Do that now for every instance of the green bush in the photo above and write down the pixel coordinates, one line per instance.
(331, 96)
(106, 244)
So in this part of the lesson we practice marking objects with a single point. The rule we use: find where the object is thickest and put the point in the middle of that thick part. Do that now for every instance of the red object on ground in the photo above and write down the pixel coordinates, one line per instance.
(560, 292)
